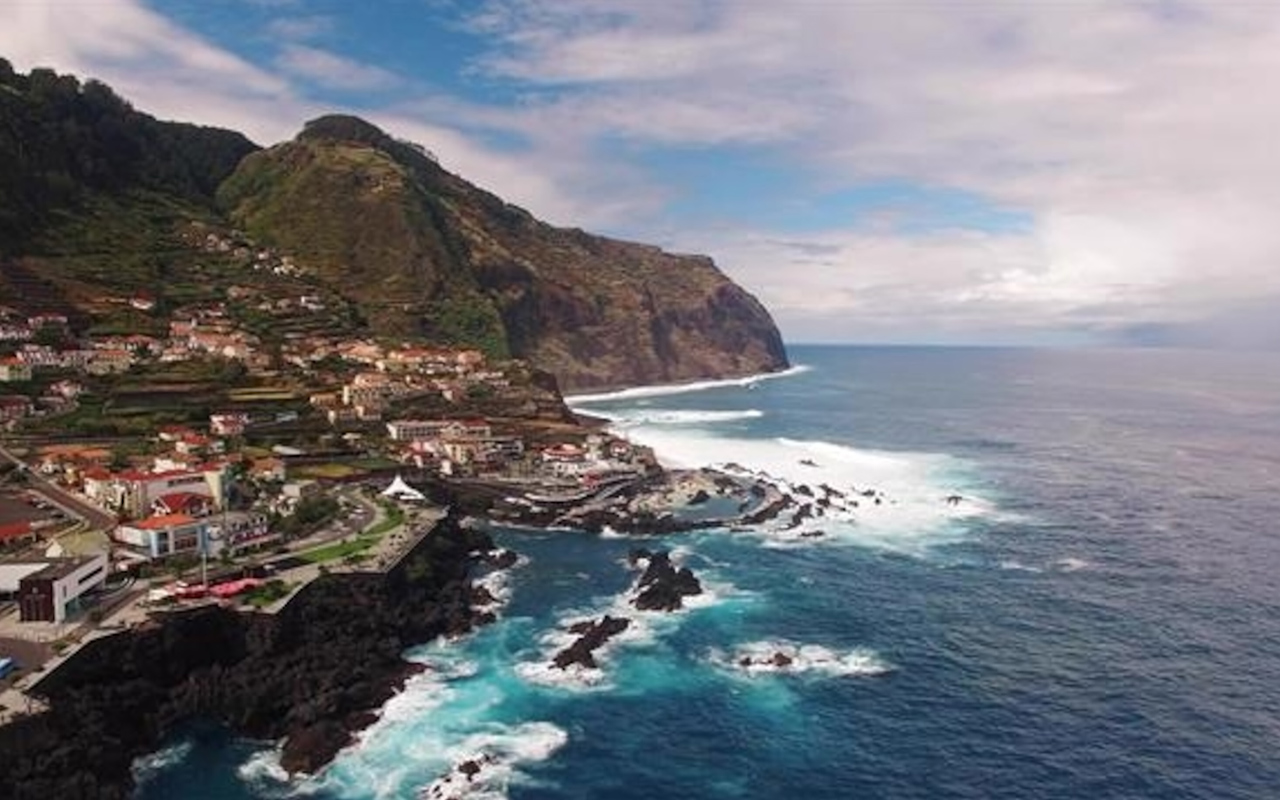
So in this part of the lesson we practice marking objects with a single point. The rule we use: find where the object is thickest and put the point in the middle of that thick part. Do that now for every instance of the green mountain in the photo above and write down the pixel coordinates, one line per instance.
(100, 198)
(66, 146)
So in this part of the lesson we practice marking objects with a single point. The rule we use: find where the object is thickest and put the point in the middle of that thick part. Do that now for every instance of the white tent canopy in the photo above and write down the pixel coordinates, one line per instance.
(399, 490)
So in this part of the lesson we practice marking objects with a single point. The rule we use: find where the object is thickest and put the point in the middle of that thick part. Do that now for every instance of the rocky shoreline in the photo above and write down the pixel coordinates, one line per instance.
(310, 676)
(679, 501)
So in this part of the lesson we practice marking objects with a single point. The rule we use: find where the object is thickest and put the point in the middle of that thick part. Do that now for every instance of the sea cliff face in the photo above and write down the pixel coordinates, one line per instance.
(309, 675)
(425, 253)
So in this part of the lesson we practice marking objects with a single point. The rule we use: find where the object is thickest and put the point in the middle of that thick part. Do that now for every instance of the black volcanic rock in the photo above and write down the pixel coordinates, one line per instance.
(662, 586)
(591, 636)
(309, 675)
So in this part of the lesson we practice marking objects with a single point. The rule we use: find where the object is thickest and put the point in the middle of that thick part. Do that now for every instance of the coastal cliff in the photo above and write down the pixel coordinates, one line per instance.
(310, 675)
(425, 253)
(101, 203)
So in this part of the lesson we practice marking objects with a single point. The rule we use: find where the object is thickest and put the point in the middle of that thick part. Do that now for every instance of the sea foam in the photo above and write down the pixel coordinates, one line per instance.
(645, 628)
(146, 766)
(688, 416)
(908, 512)
(447, 716)
(786, 657)
(681, 388)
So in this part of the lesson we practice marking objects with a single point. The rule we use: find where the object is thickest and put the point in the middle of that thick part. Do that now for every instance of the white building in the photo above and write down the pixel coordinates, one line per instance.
(161, 537)
(50, 590)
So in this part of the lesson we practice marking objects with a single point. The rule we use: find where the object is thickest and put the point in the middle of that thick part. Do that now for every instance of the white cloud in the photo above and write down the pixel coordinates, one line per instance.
(174, 73)
(1137, 136)
(331, 70)
(163, 68)
(299, 28)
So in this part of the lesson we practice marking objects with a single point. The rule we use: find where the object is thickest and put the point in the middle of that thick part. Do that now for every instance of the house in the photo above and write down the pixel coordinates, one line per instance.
(66, 388)
(14, 370)
(565, 460)
(236, 531)
(182, 328)
(337, 415)
(39, 356)
(142, 301)
(14, 333)
(133, 492)
(43, 320)
(502, 447)
(108, 362)
(267, 469)
(469, 359)
(173, 433)
(198, 444)
(161, 537)
(189, 503)
(14, 407)
(325, 400)
(408, 430)
(471, 429)
(297, 491)
(228, 423)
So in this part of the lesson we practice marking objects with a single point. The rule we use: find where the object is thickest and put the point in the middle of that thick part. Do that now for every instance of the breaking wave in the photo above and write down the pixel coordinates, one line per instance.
(789, 658)
(633, 417)
(682, 388)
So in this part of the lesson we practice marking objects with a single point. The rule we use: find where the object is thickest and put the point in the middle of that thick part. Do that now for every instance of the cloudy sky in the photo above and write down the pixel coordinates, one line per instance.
(960, 171)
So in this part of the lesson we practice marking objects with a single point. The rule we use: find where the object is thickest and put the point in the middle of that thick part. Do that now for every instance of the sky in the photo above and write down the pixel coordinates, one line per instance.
(874, 171)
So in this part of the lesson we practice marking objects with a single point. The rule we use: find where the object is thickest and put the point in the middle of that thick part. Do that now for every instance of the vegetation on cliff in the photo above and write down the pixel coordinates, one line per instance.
(429, 254)
(68, 149)
(97, 200)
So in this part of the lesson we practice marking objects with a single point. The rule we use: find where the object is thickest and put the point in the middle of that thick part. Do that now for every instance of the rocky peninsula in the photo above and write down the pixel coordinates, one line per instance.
(310, 676)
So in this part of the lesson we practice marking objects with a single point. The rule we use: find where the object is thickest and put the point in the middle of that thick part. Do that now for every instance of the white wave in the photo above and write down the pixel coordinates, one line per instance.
(681, 388)
(912, 513)
(644, 629)
(489, 760)
(785, 657)
(575, 677)
(498, 584)
(1018, 566)
(146, 766)
(1071, 564)
(445, 717)
(263, 769)
(631, 417)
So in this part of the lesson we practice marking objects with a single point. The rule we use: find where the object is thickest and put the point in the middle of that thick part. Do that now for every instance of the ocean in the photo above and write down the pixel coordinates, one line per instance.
(1097, 617)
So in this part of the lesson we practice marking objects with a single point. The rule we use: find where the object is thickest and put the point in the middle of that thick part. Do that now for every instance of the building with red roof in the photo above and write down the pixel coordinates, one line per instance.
(163, 536)
(190, 503)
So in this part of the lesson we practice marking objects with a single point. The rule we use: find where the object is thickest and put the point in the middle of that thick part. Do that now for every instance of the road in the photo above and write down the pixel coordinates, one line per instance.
(95, 517)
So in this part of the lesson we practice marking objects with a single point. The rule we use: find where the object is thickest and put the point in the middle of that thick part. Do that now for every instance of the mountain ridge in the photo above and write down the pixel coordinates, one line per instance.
(420, 253)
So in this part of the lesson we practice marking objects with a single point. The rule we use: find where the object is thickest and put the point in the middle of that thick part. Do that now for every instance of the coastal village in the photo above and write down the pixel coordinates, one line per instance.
(195, 461)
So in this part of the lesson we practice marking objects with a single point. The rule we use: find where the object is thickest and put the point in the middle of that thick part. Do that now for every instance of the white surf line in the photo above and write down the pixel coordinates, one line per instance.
(682, 388)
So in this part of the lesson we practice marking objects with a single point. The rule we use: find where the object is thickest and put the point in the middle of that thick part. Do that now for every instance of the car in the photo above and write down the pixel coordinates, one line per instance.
(7, 665)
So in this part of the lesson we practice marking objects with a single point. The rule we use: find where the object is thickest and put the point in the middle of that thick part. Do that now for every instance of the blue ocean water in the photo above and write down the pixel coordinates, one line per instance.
(1098, 618)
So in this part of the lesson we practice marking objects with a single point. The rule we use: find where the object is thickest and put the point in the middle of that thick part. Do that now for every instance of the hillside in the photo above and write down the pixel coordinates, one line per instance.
(427, 253)
(98, 201)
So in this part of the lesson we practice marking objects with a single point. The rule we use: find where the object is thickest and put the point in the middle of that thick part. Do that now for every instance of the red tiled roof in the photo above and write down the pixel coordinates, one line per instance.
(166, 521)
(178, 502)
